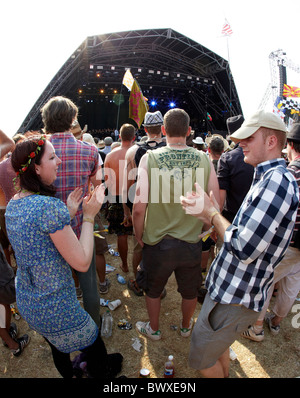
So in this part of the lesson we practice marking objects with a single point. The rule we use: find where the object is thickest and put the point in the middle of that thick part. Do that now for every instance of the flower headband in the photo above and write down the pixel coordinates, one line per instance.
(32, 155)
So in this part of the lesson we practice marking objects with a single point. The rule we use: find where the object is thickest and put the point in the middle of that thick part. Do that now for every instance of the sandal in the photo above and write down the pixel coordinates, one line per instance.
(132, 285)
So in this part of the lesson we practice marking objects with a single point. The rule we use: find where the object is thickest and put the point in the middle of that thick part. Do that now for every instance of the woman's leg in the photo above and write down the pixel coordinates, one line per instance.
(99, 363)
(61, 361)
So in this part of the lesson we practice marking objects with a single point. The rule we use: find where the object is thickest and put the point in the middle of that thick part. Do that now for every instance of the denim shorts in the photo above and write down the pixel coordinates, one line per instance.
(168, 256)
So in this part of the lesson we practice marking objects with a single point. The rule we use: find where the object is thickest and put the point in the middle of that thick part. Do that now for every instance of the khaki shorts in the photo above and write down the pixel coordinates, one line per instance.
(101, 246)
(217, 327)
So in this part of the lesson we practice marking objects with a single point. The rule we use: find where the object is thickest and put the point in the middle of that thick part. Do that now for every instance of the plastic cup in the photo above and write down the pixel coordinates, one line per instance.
(112, 305)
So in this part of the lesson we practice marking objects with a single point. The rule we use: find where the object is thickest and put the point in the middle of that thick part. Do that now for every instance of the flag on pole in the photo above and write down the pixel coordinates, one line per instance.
(128, 79)
(226, 30)
(290, 91)
(137, 104)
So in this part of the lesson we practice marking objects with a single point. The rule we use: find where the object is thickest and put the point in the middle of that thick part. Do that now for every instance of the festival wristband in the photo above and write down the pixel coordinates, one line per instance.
(88, 220)
(214, 213)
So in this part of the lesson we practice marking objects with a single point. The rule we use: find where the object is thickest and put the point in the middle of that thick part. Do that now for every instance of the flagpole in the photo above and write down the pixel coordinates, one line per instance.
(228, 56)
(119, 107)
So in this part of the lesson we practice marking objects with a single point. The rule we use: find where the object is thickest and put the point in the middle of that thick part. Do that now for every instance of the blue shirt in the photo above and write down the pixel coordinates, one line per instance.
(257, 239)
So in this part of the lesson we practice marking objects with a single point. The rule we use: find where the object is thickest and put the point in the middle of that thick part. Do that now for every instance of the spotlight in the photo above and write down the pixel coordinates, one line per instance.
(172, 105)
(153, 103)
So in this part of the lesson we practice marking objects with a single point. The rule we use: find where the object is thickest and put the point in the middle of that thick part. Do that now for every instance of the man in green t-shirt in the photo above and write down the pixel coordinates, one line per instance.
(170, 238)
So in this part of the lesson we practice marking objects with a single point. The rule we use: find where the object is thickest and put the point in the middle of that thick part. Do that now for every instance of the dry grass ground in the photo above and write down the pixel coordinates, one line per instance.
(275, 357)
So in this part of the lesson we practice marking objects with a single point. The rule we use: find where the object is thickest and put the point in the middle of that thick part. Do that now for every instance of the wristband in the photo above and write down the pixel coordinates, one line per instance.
(214, 213)
(88, 220)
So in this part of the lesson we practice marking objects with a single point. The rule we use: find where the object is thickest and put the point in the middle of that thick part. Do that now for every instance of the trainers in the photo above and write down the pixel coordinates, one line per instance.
(185, 332)
(273, 329)
(251, 335)
(104, 288)
(13, 332)
(145, 328)
(132, 285)
(23, 342)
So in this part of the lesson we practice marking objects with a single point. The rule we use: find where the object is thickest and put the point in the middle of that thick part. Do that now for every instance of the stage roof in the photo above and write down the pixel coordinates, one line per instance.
(168, 66)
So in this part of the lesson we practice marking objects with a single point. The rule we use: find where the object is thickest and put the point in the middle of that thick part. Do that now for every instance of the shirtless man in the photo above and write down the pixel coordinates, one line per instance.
(152, 125)
(114, 174)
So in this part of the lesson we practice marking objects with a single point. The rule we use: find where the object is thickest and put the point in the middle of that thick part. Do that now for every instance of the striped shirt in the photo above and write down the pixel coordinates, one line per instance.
(79, 162)
(257, 239)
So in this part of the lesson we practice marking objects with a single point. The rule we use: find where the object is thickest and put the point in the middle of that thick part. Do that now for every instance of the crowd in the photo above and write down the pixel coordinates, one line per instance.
(183, 198)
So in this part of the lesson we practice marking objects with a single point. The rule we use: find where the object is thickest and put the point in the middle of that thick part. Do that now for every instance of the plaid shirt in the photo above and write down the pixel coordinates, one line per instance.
(257, 239)
(79, 162)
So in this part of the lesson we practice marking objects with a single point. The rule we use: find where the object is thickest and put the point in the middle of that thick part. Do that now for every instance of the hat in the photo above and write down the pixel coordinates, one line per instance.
(153, 119)
(294, 133)
(108, 141)
(233, 123)
(76, 130)
(257, 120)
(209, 139)
(198, 141)
(101, 144)
(88, 138)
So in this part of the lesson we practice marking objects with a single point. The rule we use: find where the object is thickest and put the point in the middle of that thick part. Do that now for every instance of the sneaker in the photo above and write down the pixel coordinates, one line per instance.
(104, 288)
(185, 332)
(145, 328)
(251, 335)
(13, 332)
(273, 329)
(132, 285)
(23, 342)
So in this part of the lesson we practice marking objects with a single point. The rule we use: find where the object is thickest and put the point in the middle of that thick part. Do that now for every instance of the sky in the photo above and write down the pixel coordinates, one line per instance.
(37, 38)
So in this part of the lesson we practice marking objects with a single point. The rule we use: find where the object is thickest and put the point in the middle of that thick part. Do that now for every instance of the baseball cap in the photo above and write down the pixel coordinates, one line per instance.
(258, 119)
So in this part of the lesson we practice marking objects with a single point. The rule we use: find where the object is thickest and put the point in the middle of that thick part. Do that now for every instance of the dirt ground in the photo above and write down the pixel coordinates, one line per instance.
(275, 357)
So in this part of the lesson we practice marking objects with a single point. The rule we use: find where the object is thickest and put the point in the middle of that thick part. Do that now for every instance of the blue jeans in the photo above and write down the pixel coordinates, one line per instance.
(88, 285)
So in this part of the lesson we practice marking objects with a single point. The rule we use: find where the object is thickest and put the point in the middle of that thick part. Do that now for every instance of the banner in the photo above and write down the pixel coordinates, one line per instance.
(137, 104)
(128, 79)
(291, 91)
(226, 30)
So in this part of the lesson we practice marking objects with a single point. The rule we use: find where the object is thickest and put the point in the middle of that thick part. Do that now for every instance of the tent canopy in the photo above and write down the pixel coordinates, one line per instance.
(169, 67)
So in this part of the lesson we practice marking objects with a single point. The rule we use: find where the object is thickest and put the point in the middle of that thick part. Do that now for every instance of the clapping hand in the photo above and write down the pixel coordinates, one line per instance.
(199, 204)
(73, 201)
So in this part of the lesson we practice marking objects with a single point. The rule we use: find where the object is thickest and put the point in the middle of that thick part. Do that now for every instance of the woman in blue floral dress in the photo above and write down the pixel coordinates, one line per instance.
(38, 225)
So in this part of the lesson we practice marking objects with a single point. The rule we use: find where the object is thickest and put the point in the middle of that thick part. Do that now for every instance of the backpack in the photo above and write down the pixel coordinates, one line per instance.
(143, 148)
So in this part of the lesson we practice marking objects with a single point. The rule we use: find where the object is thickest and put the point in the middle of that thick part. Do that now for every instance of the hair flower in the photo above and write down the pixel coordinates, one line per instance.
(41, 142)
(32, 155)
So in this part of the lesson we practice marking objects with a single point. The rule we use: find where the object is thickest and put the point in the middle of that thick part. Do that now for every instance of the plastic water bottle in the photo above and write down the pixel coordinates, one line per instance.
(169, 367)
(121, 279)
(107, 322)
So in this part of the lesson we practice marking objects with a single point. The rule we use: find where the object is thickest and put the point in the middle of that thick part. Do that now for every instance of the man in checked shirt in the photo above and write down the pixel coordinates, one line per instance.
(253, 245)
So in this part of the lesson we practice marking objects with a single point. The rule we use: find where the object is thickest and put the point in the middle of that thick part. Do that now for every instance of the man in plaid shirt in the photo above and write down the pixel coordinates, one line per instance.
(255, 242)
(80, 162)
